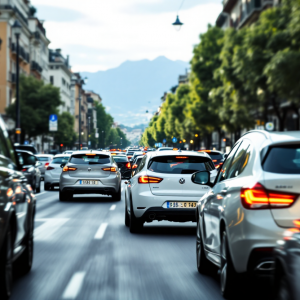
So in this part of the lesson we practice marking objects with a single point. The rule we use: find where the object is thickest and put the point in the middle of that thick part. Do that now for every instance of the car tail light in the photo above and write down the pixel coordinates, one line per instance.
(297, 223)
(217, 166)
(128, 165)
(110, 169)
(46, 164)
(134, 166)
(24, 170)
(67, 169)
(149, 179)
(50, 168)
(258, 197)
(214, 160)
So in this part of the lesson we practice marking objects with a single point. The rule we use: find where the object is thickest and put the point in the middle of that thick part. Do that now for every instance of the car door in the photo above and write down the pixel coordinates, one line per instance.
(212, 203)
(228, 191)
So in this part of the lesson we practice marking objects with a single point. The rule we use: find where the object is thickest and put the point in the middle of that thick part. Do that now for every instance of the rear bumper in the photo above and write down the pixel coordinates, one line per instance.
(89, 190)
(169, 214)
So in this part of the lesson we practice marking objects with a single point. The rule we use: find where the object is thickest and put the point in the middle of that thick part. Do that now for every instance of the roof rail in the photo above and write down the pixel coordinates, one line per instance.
(265, 133)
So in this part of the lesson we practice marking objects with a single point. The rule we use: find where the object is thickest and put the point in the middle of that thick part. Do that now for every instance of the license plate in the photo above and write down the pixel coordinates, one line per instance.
(89, 182)
(181, 204)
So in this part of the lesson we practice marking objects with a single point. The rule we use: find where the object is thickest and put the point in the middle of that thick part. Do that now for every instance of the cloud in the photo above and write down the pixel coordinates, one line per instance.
(111, 32)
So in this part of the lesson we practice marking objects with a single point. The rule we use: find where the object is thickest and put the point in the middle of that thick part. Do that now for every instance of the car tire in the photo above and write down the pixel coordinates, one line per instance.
(228, 276)
(26, 258)
(38, 189)
(202, 261)
(6, 266)
(282, 289)
(135, 225)
(127, 219)
(117, 196)
(65, 196)
(33, 186)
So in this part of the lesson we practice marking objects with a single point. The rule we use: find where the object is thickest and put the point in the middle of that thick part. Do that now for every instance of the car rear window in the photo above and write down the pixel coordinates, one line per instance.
(283, 160)
(83, 159)
(43, 158)
(120, 158)
(215, 155)
(60, 160)
(180, 164)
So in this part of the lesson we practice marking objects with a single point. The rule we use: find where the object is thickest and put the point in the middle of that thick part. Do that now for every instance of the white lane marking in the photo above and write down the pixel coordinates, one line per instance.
(45, 231)
(100, 233)
(113, 207)
(73, 288)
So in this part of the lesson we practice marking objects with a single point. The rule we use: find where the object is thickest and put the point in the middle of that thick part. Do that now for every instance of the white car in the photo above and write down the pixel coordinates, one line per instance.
(253, 200)
(162, 188)
(53, 171)
(68, 152)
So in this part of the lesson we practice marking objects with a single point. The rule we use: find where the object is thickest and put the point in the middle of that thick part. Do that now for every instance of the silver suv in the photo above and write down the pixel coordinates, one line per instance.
(90, 172)
(254, 198)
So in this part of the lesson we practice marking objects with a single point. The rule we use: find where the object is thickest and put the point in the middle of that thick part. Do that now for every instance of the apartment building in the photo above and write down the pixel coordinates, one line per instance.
(60, 75)
(240, 13)
(93, 99)
(33, 45)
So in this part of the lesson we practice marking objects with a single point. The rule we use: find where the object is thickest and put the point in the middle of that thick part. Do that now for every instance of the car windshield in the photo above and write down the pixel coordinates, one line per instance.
(60, 160)
(120, 158)
(86, 159)
(180, 164)
(43, 158)
(283, 160)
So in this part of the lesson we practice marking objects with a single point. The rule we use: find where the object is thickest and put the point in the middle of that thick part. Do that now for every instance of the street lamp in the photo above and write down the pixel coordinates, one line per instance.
(121, 142)
(84, 81)
(89, 133)
(17, 29)
(103, 137)
(177, 24)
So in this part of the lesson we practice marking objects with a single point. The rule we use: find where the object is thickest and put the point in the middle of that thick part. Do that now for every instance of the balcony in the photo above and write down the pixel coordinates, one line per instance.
(36, 67)
(12, 77)
(22, 53)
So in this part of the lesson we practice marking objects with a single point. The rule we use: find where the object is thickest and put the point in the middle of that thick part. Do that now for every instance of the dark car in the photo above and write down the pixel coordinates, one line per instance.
(136, 163)
(124, 165)
(17, 210)
(30, 168)
(287, 265)
(29, 148)
(216, 156)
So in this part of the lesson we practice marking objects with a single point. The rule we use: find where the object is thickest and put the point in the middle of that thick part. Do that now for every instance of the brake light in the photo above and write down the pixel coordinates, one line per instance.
(217, 166)
(181, 157)
(67, 169)
(24, 170)
(50, 168)
(46, 164)
(111, 169)
(297, 223)
(134, 166)
(90, 154)
(149, 179)
(214, 160)
(258, 197)
(128, 165)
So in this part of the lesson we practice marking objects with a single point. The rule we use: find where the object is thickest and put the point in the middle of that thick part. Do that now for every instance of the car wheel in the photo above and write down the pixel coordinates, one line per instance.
(202, 261)
(33, 186)
(25, 260)
(283, 291)
(38, 189)
(117, 196)
(65, 196)
(227, 272)
(6, 266)
(135, 225)
(127, 220)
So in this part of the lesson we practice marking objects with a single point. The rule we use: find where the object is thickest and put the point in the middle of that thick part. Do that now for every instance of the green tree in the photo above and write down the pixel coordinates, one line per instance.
(65, 134)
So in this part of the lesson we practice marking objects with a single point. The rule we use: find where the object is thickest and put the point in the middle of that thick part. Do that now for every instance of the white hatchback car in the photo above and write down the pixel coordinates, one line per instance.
(162, 189)
(254, 198)
(53, 171)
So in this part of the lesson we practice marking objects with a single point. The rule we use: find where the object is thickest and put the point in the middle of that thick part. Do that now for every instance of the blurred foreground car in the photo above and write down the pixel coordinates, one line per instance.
(53, 171)
(287, 265)
(31, 169)
(29, 148)
(216, 156)
(17, 210)
(162, 189)
(45, 160)
(91, 172)
(253, 199)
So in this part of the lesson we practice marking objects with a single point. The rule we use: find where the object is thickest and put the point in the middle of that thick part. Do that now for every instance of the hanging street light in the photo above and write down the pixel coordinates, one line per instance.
(177, 24)
(17, 29)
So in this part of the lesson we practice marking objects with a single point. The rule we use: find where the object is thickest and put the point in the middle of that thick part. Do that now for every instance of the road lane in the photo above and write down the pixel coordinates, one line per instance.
(158, 263)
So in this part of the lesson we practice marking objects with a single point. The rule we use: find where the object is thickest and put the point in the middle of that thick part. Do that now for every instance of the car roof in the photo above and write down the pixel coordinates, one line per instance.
(211, 151)
(44, 155)
(91, 151)
(178, 153)
(61, 155)
(25, 151)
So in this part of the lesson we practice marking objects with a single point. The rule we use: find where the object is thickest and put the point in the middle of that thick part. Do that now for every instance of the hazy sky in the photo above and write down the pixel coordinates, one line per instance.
(101, 34)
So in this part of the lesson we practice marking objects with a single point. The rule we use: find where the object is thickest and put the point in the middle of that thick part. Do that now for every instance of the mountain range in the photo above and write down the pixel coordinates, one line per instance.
(132, 92)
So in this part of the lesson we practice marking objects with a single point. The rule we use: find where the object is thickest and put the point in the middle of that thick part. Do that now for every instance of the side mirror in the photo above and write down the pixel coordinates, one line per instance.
(202, 178)
(62, 165)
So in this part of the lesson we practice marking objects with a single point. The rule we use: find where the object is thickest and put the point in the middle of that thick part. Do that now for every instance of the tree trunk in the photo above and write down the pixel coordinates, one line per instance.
(281, 116)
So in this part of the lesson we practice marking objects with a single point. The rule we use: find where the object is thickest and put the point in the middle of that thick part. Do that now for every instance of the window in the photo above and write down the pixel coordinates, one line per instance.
(63, 81)
(142, 165)
(120, 158)
(223, 174)
(240, 160)
(52, 80)
(60, 160)
(180, 164)
(283, 160)
(83, 159)
(40, 158)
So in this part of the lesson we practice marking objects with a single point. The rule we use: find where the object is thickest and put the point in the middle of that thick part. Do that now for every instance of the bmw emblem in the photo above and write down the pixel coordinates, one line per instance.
(89, 169)
(181, 180)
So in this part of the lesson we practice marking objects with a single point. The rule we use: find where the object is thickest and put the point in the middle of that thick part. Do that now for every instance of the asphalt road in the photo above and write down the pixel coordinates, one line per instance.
(84, 251)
